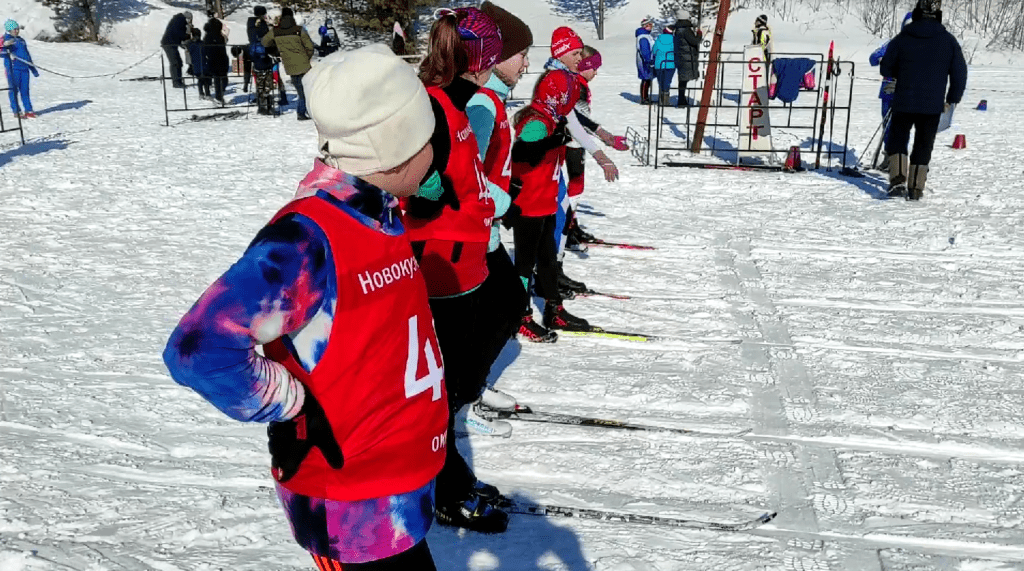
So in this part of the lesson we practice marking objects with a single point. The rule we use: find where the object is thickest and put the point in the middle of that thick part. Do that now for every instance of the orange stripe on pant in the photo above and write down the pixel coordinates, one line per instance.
(325, 564)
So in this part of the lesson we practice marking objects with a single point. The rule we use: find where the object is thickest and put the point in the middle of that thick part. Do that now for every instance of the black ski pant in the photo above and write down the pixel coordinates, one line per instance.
(682, 101)
(534, 239)
(925, 127)
(174, 65)
(220, 84)
(246, 71)
(503, 310)
(418, 558)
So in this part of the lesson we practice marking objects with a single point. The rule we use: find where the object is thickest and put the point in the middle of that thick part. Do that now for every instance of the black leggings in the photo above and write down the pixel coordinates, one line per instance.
(925, 128)
(416, 559)
(535, 246)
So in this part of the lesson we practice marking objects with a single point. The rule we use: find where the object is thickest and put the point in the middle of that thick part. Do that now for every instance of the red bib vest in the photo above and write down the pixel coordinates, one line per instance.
(455, 242)
(539, 196)
(498, 162)
(381, 377)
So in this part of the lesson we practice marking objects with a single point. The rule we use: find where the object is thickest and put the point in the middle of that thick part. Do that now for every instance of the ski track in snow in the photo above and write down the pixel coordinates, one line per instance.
(875, 347)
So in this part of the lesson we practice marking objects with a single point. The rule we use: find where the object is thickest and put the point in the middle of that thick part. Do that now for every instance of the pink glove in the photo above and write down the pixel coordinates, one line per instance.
(620, 144)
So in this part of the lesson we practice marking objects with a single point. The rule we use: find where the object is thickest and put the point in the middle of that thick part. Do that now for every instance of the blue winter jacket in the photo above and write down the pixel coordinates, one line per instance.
(644, 56)
(19, 49)
(664, 52)
(921, 59)
(876, 58)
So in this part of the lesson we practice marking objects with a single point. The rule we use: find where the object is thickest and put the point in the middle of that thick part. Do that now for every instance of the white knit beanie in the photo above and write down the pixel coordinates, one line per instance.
(370, 109)
(682, 14)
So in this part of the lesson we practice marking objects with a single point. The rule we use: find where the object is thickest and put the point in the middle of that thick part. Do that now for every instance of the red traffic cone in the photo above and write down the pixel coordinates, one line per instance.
(960, 142)
(793, 162)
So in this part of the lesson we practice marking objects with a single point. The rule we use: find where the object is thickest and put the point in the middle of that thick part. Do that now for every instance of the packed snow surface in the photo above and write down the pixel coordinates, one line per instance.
(875, 347)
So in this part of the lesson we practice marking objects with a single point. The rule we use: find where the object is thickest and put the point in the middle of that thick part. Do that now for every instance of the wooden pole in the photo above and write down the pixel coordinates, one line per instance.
(710, 76)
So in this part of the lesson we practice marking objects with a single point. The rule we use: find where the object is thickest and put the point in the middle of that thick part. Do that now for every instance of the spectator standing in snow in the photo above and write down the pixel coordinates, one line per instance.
(923, 58)
(687, 42)
(887, 90)
(262, 64)
(645, 58)
(449, 225)
(17, 65)
(664, 56)
(196, 54)
(329, 42)
(334, 369)
(296, 49)
(179, 30)
(763, 37)
(215, 52)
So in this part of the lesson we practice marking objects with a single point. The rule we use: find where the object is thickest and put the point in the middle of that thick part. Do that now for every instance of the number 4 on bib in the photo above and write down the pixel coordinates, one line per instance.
(435, 373)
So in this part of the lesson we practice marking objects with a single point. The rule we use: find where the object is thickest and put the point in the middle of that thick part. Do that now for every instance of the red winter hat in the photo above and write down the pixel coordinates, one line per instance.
(556, 94)
(563, 41)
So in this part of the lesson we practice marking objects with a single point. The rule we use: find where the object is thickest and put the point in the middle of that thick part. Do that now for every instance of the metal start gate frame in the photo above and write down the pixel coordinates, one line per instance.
(5, 128)
(789, 120)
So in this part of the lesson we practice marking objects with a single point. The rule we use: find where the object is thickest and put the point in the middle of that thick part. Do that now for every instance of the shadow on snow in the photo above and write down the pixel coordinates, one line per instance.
(29, 149)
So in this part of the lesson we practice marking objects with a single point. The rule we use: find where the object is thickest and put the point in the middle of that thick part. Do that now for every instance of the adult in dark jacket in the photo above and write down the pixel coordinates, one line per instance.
(215, 55)
(179, 30)
(921, 59)
(262, 65)
(687, 41)
(296, 49)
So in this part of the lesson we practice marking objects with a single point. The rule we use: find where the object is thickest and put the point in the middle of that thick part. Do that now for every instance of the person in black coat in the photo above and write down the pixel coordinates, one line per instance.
(179, 31)
(215, 54)
(921, 59)
(687, 45)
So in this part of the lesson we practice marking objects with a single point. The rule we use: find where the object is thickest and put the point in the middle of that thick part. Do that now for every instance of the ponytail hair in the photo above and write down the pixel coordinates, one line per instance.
(447, 57)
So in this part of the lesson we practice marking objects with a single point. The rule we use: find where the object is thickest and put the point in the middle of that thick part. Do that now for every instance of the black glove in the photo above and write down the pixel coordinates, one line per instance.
(291, 440)
(514, 188)
(532, 152)
(560, 135)
(508, 220)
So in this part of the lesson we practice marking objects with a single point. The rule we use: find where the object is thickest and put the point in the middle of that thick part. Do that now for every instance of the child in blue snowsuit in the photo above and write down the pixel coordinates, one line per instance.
(888, 89)
(17, 65)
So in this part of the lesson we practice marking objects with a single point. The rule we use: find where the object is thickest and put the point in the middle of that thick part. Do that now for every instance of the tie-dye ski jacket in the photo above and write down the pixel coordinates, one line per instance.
(284, 285)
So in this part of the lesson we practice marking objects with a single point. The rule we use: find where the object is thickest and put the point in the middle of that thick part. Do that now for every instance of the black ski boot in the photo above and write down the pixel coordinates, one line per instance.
(556, 317)
(474, 513)
(565, 283)
(535, 332)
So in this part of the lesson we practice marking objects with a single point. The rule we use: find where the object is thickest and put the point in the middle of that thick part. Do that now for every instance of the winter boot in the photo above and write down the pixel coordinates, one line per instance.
(899, 167)
(663, 99)
(535, 332)
(498, 400)
(556, 317)
(568, 284)
(915, 185)
(491, 495)
(883, 162)
(582, 235)
(474, 513)
(479, 424)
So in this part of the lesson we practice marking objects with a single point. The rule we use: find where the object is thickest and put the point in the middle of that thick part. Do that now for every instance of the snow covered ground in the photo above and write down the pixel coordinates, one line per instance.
(876, 348)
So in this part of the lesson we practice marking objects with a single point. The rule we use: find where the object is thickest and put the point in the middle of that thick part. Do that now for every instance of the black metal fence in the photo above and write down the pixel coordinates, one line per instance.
(9, 125)
(809, 124)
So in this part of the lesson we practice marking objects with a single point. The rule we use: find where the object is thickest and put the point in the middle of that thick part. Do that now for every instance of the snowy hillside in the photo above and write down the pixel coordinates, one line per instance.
(875, 348)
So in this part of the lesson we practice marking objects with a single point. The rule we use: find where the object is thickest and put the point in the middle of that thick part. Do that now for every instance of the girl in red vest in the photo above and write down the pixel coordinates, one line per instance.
(449, 225)
(349, 364)
(538, 161)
